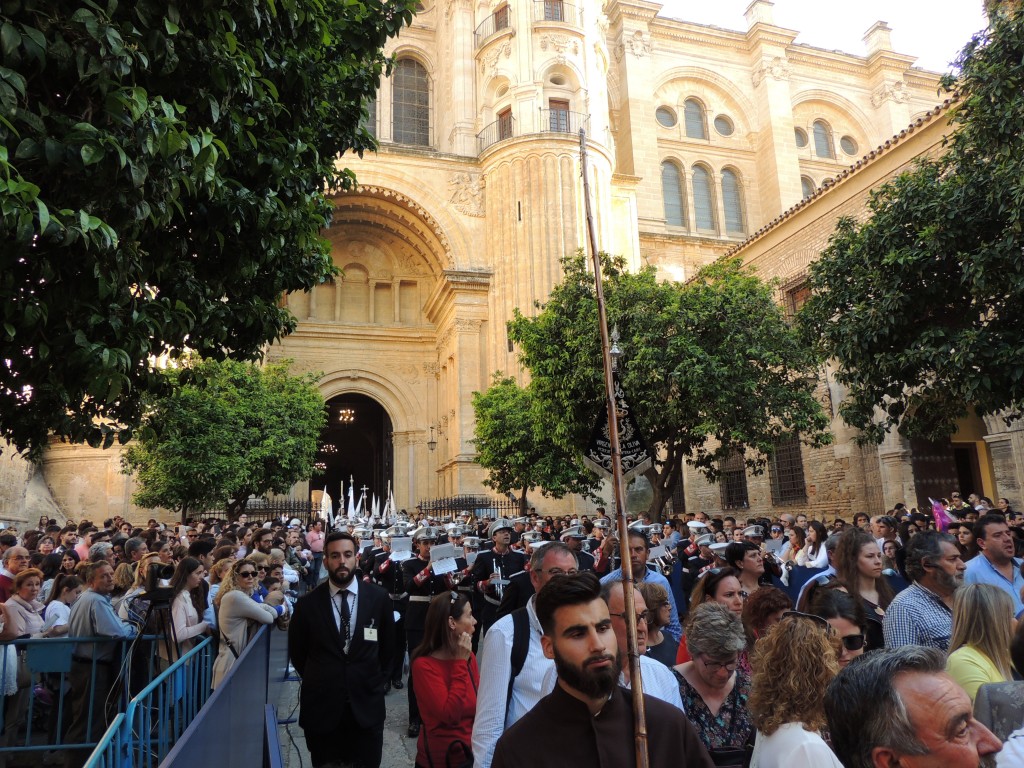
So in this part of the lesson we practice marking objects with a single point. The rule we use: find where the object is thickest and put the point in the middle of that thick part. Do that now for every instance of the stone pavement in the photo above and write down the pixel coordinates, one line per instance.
(399, 750)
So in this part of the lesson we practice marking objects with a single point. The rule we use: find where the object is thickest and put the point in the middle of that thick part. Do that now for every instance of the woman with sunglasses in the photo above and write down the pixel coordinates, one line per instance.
(446, 678)
(237, 614)
(713, 687)
(793, 664)
(845, 615)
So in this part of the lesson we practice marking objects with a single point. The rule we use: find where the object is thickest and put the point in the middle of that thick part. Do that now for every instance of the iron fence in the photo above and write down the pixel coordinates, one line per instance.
(267, 510)
(480, 506)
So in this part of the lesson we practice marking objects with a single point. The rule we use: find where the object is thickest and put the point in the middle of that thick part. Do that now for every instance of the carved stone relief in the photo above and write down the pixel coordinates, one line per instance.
(776, 68)
(467, 193)
(559, 44)
(489, 63)
(896, 91)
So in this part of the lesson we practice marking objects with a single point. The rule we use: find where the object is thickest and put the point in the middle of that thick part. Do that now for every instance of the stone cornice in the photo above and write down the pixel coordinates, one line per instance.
(636, 10)
(312, 330)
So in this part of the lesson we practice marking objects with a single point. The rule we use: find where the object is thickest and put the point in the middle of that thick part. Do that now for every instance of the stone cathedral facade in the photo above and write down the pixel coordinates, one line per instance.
(698, 137)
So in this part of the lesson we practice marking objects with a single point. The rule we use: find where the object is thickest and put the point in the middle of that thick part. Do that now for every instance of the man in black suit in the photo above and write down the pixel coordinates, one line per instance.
(341, 642)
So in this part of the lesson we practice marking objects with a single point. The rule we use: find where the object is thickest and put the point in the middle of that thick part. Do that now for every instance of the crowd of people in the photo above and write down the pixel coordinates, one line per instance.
(155, 591)
(783, 643)
(789, 642)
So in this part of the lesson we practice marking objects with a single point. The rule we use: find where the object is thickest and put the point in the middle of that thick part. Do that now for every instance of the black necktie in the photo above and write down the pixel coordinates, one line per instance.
(346, 619)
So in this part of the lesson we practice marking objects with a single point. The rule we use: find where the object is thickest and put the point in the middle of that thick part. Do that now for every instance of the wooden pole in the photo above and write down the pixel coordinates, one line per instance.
(618, 487)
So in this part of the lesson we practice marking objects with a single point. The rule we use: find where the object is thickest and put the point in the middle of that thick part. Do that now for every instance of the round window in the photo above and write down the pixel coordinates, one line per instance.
(666, 117)
(849, 145)
(724, 125)
(801, 137)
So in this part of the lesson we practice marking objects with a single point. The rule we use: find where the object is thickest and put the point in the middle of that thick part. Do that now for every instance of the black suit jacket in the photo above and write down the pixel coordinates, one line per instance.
(329, 675)
(518, 592)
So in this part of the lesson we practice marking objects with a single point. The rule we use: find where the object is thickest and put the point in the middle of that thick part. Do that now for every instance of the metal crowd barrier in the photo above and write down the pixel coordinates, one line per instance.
(35, 703)
(159, 714)
(225, 733)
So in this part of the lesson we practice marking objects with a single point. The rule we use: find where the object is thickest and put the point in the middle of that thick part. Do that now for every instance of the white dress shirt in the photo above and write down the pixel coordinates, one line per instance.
(659, 682)
(353, 602)
(495, 659)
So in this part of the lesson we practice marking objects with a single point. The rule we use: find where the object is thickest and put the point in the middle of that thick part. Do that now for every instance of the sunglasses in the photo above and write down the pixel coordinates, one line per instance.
(853, 642)
(246, 574)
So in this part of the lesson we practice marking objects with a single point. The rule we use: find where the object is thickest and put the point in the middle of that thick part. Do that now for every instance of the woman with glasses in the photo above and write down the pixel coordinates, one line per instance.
(845, 616)
(713, 686)
(660, 645)
(793, 664)
(983, 631)
(238, 614)
(445, 676)
(858, 563)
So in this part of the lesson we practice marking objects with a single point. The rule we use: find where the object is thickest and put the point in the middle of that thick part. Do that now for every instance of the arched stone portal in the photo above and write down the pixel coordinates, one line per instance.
(355, 449)
(404, 329)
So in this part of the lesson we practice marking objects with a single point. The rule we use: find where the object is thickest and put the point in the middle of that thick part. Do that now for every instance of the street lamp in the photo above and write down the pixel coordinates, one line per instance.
(615, 353)
(431, 443)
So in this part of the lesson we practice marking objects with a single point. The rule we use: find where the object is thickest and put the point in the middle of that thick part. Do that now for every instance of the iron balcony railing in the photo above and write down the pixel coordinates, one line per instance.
(500, 129)
(500, 20)
(556, 10)
(563, 121)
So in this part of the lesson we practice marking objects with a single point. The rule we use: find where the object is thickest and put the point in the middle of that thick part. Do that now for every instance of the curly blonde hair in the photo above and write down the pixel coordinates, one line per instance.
(793, 664)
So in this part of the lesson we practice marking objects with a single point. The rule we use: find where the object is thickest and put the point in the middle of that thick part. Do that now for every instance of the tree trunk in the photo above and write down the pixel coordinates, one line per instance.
(663, 481)
(523, 503)
(236, 506)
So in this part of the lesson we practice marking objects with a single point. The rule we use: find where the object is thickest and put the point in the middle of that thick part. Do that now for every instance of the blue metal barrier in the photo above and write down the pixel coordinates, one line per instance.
(225, 734)
(35, 674)
(159, 714)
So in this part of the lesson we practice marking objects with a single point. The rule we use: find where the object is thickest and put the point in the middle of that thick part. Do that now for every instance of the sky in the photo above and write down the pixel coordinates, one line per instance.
(932, 30)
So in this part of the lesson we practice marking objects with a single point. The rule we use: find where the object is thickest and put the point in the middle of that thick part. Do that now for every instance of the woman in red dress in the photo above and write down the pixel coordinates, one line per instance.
(445, 678)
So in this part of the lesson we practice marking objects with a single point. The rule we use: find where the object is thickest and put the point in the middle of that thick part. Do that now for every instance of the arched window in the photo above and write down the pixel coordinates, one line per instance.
(823, 140)
(807, 186)
(703, 199)
(410, 103)
(696, 124)
(673, 195)
(732, 202)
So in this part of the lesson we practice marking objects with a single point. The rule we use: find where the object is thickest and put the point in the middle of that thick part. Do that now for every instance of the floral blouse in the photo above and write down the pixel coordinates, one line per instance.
(733, 726)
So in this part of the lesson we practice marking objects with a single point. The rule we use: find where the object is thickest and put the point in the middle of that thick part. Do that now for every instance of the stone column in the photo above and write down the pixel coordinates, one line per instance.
(897, 471)
(778, 164)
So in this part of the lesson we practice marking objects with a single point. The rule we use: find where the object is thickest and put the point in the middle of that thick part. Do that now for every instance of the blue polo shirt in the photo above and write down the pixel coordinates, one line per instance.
(981, 571)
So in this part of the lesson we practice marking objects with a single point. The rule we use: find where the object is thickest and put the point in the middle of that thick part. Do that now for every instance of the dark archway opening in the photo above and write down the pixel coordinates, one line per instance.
(355, 446)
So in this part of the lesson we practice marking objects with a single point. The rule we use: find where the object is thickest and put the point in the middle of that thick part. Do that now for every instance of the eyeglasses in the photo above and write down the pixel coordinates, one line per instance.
(717, 666)
(816, 619)
(853, 642)
(261, 568)
(192, 535)
(559, 572)
(246, 574)
(640, 617)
